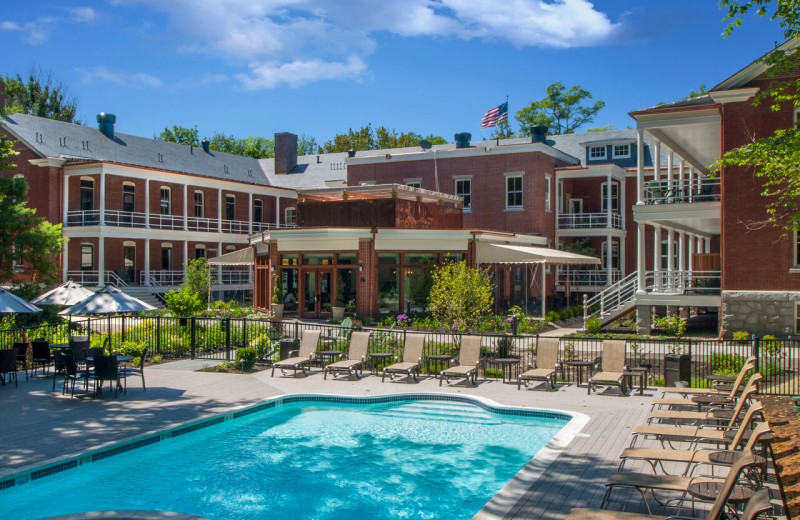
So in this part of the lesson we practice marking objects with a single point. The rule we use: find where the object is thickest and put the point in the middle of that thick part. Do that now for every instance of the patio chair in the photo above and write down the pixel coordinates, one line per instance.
(135, 372)
(698, 434)
(356, 357)
(469, 359)
(412, 359)
(658, 190)
(714, 399)
(22, 356)
(302, 360)
(709, 416)
(547, 364)
(8, 364)
(612, 368)
(643, 482)
(657, 457)
(72, 373)
(41, 355)
(106, 369)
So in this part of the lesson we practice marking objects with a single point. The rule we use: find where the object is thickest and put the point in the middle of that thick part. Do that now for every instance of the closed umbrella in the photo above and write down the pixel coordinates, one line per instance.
(13, 304)
(109, 300)
(68, 293)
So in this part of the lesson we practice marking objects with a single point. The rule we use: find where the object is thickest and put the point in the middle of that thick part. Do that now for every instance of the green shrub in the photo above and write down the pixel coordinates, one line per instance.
(670, 325)
(184, 303)
(552, 316)
(726, 364)
(504, 347)
(741, 335)
(594, 325)
(131, 348)
(246, 358)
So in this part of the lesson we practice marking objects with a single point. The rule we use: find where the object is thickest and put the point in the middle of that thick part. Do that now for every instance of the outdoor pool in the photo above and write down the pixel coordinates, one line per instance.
(309, 457)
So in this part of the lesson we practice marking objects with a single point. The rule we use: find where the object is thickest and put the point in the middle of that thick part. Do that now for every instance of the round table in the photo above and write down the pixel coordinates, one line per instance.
(439, 358)
(376, 358)
(579, 366)
(709, 400)
(505, 363)
(708, 491)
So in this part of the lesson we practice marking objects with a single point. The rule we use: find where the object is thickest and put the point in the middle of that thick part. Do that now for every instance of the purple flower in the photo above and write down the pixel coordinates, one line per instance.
(403, 318)
(510, 319)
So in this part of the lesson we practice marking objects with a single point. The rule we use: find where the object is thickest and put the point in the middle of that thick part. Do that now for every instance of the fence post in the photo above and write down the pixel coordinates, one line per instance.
(193, 344)
(244, 332)
(689, 348)
(757, 351)
(227, 323)
(296, 329)
(123, 328)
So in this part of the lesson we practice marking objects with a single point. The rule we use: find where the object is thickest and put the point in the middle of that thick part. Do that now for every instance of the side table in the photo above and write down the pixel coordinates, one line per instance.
(377, 358)
(506, 364)
(439, 359)
(579, 366)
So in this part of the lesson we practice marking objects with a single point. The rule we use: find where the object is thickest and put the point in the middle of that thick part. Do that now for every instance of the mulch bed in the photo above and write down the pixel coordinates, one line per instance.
(785, 424)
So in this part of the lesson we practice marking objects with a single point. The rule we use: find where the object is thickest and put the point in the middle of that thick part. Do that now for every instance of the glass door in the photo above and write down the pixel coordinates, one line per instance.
(317, 292)
(310, 293)
(325, 283)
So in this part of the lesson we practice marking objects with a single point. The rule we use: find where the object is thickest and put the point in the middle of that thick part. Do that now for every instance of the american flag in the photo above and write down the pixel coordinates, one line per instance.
(495, 116)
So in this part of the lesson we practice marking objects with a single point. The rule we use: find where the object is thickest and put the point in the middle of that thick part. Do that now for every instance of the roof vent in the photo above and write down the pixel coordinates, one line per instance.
(462, 139)
(539, 134)
(351, 153)
(206, 144)
(105, 123)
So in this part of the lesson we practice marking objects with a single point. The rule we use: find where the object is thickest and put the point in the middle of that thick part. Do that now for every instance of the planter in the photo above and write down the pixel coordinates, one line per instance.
(337, 313)
(277, 310)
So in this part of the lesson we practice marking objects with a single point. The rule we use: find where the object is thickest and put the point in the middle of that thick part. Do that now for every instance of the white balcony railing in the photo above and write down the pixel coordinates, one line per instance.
(587, 277)
(675, 192)
(698, 282)
(161, 277)
(230, 277)
(159, 221)
(589, 221)
(202, 224)
(89, 278)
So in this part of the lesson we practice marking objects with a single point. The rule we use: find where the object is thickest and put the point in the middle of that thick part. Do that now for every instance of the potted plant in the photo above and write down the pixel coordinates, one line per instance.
(337, 311)
(277, 298)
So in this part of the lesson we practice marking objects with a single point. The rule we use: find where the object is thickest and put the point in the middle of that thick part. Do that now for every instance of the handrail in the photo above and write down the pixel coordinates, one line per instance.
(587, 277)
(112, 278)
(589, 220)
(672, 191)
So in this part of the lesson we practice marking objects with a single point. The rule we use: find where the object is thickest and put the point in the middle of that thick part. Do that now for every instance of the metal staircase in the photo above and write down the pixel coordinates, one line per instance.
(613, 301)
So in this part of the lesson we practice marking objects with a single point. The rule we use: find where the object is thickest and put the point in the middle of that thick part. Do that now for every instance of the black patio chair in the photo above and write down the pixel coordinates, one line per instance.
(105, 369)
(22, 356)
(8, 364)
(133, 371)
(72, 373)
(41, 355)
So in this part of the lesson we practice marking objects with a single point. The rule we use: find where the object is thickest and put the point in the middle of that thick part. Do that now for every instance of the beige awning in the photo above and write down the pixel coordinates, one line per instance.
(508, 254)
(240, 257)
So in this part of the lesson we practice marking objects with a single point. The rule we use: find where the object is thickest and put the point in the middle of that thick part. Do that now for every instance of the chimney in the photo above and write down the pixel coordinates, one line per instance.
(205, 143)
(462, 139)
(351, 153)
(539, 134)
(285, 152)
(105, 123)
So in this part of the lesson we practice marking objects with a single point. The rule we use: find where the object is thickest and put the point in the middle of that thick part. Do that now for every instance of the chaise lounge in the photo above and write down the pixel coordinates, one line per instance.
(412, 359)
(304, 357)
(469, 358)
(356, 357)
(613, 367)
(546, 364)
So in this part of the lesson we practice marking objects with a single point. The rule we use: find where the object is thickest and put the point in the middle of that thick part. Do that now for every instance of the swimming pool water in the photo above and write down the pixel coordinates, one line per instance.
(407, 459)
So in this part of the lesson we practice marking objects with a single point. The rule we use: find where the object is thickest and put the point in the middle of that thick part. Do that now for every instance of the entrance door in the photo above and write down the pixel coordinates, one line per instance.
(317, 286)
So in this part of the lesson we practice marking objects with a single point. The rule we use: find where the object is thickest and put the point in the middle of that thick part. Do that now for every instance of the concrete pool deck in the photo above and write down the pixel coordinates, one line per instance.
(39, 425)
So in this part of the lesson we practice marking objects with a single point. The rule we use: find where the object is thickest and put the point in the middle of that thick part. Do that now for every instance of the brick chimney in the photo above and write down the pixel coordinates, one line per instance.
(285, 152)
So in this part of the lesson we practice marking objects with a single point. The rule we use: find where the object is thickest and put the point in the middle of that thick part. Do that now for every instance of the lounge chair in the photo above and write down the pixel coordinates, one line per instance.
(714, 399)
(546, 364)
(412, 359)
(643, 482)
(698, 434)
(724, 389)
(612, 368)
(304, 357)
(657, 457)
(712, 415)
(469, 358)
(356, 357)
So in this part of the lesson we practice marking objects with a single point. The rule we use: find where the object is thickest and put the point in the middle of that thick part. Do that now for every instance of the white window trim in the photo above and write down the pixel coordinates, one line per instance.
(80, 262)
(580, 206)
(413, 180)
(796, 115)
(286, 215)
(257, 202)
(560, 197)
(615, 155)
(465, 209)
(795, 256)
(599, 157)
(169, 199)
(548, 189)
(202, 203)
(603, 197)
(507, 176)
(228, 197)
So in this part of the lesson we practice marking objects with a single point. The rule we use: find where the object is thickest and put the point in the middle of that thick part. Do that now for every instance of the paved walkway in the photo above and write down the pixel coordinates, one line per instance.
(39, 425)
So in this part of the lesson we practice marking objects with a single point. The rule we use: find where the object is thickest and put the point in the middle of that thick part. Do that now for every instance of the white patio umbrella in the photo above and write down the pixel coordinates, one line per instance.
(108, 300)
(68, 293)
(13, 304)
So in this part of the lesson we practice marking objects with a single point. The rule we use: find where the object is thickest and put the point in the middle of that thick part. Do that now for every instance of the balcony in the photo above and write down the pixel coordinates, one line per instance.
(681, 192)
(587, 277)
(134, 219)
(589, 221)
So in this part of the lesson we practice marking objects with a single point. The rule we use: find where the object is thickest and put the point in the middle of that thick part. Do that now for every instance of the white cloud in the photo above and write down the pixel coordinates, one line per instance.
(329, 39)
(83, 14)
(137, 79)
(34, 33)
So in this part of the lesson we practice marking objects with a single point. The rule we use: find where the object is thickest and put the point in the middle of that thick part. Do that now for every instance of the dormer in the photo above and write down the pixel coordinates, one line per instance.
(621, 152)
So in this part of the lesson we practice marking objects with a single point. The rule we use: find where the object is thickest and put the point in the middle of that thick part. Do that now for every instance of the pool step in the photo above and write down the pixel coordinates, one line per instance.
(437, 411)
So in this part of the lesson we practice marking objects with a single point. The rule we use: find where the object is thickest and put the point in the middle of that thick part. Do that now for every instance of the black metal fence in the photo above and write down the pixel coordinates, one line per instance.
(778, 360)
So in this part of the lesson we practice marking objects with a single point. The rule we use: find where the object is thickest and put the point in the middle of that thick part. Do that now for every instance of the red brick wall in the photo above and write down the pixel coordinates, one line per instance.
(366, 288)
(752, 258)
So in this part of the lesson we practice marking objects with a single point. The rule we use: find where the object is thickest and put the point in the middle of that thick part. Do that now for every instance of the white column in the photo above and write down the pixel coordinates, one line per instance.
(657, 161)
(544, 288)
(708, 244)
(66, 200)
(64, 261)
(670, 257)
(101, 259)
(147, 204)
(622, 207)
(609, 263)
(185, 207)
(640, 257)
(608, 200)
(670, 166)
(219, 211)
(622, 257)
(219, 267)
(102, 198)
(681, 251)
(691, 248)
(147, 261)
(639, 167)
(657, 274)
(698, 180)
(250, 214)
(683, 187)
(277, 211)
(185, 258)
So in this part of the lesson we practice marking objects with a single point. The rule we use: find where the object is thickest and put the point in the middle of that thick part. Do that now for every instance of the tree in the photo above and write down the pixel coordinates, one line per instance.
(773, 158)
(503, 131)
(198, 277)
(23, 235)
(184, 303)
(562, 111)
(180, 134)
(40, 95)
(702, 90)
(460, 295)
(380, 138)
(604, 128)
(307, 145)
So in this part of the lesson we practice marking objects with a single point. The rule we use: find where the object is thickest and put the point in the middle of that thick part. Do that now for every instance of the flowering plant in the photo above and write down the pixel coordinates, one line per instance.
(403, 319)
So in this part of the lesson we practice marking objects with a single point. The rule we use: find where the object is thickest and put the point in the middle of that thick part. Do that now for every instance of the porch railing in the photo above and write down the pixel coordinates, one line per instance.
(587, 277)
(665, 191)
(158, 221)
(589, 221)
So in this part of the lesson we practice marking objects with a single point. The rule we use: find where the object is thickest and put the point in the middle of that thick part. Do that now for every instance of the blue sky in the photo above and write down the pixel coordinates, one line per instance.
(256, 67)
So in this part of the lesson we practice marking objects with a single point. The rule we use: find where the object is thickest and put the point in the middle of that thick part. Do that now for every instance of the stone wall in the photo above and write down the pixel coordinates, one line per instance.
(759, 312)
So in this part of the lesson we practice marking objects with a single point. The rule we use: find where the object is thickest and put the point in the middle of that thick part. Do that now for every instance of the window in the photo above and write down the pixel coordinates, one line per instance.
(290, 216)
(614, 255)
(614, 196)
(230, 249)
(258, 210)
(622, 151)
(413, 183)
(87, 194)
(129, 260)
(166, 203)
(464, 189)
(166, 257)
(200, 251)
(796, 115)
(513, 191)
(547, 193)
(230, 207)
(199, 204)
(560, 196)
(128, 197)
(597, 152)
(87, 257)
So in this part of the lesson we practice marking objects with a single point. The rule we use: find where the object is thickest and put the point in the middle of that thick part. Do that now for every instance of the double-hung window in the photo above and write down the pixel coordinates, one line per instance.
(597, 153)
(464, 190)
(547, 181)
(614, 196)
(290, 216)
(514, 191)
(230, 207)
(166, 203)
(621, 151)
(199, 204)
(258, 210)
